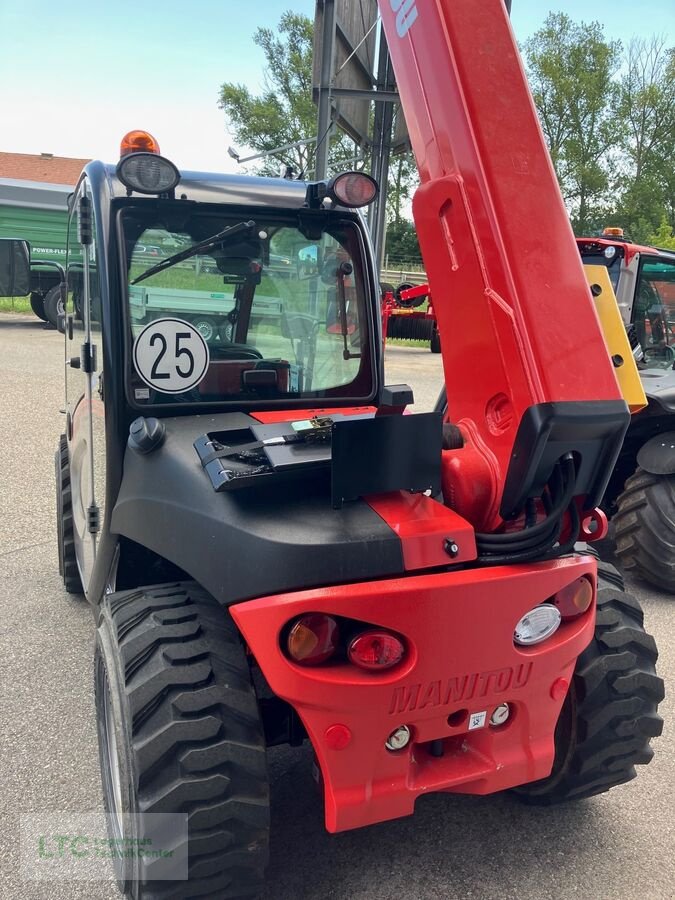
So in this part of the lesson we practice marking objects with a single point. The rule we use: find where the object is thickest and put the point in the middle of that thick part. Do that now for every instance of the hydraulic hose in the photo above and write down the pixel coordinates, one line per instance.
(562, 498)
(538, 541)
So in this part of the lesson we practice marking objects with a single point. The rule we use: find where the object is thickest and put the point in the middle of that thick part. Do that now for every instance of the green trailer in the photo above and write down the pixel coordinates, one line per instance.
(37, 213)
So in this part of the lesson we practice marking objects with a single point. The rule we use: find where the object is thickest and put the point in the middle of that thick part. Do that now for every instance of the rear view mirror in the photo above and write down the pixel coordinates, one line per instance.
(14, 268)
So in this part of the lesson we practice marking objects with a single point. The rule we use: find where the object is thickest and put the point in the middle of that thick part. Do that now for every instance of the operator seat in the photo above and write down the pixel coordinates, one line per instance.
(229, 351)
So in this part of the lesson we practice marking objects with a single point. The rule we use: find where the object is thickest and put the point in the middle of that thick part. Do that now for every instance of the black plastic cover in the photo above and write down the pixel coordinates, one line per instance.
(244, 544)
(592, 430)
(386, 453)
(657, 456)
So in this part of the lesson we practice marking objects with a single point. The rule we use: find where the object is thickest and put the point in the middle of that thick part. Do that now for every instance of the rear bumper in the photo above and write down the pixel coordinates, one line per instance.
(462, 663)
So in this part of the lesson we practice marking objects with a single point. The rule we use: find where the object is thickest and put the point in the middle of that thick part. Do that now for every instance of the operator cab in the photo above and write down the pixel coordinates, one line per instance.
(643, 279)
(204, 314)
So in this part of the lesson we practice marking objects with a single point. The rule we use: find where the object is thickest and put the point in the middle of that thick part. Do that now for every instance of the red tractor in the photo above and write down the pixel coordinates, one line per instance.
(275, 553)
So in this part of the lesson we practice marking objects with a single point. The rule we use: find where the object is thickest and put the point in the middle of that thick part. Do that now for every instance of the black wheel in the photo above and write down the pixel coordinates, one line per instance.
(37, 304)
(180, 732)
(644, 528)
(408, 304)
(53, 305)
(609, 715)
(64, 521)
(207, 327)
(435, 342)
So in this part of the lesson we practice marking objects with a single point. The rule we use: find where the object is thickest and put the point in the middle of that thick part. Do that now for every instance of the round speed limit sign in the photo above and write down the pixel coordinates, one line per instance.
(171, 356)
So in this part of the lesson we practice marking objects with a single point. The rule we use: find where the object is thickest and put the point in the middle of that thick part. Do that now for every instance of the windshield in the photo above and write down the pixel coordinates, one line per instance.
(654, 311)
(266, 313)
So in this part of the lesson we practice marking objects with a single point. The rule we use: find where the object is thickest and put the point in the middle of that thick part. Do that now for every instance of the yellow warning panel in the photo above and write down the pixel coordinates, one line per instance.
(616, 338)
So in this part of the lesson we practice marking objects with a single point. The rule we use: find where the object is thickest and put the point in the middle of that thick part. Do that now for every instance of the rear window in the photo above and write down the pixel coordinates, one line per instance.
(261, 312)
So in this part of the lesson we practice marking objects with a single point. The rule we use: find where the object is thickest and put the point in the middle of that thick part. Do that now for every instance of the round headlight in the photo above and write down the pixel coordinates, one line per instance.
(147, 173)
(537, 625)
(610, 252)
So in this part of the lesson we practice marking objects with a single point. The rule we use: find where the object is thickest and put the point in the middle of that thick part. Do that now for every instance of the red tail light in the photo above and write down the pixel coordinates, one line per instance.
(313, 639)
(376, 650)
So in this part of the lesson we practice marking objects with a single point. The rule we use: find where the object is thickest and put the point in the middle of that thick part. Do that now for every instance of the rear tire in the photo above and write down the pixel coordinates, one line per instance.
(180, 732)
(609, 715)
(65, 534)
(53, 305)
(435, 342)
(37, 304)
(644, 528)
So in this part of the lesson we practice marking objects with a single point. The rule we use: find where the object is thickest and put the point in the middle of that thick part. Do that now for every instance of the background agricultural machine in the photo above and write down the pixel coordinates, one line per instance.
(640, 495)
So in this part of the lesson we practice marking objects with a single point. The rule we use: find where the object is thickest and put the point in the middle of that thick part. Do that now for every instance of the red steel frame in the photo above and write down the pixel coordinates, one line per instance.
(461, 661)
(488, 214)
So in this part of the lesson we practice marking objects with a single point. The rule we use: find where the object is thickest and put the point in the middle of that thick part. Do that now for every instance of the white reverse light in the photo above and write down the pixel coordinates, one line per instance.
(537, 625)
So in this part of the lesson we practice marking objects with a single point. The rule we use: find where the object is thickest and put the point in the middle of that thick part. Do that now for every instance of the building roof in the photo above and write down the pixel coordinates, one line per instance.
(43, 167)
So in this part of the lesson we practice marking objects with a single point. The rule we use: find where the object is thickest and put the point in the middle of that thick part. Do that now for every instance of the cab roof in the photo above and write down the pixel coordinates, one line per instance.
(210, 187)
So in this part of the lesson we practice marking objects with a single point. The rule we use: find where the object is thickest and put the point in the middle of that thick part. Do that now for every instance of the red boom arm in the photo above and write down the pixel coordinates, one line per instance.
(513, 306)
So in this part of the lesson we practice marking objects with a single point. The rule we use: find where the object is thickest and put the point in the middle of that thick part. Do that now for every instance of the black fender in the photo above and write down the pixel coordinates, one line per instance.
(657, 456)
(246, 543)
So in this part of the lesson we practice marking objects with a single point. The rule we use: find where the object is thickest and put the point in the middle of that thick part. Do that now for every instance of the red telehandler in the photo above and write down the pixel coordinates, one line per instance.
(275, 553)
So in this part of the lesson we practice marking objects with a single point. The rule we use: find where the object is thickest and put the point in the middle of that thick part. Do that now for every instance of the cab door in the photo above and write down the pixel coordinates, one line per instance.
(84, 405)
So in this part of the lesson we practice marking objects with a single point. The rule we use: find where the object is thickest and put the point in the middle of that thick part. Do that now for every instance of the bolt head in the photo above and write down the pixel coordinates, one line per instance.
(450, 547)
(399, 738)
(500, 714)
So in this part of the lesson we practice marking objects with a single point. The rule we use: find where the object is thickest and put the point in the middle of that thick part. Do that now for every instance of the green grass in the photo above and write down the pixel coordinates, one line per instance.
(404, 342)
(15, 304)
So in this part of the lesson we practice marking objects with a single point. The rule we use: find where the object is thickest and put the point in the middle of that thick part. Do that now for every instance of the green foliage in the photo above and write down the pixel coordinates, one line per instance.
(571, 69)
(609, 122)
(663, 237)
(403, 180)
(402, 245)
(284, 113)
(648, 135)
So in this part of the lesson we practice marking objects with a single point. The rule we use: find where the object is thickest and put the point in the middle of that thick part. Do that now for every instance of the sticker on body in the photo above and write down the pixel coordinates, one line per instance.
(171, 356)
(477, 720)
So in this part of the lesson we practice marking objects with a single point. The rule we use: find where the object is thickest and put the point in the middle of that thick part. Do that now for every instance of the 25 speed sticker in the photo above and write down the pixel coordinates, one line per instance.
(171, 356)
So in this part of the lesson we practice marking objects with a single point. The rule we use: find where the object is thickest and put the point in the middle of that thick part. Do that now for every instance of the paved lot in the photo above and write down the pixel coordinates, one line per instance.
(620, 845)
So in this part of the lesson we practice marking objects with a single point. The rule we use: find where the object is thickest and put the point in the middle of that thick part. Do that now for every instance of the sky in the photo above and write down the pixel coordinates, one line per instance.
(77, 75)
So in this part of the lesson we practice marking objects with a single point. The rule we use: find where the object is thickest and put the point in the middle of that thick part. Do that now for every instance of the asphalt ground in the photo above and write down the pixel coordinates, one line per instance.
(619, 845)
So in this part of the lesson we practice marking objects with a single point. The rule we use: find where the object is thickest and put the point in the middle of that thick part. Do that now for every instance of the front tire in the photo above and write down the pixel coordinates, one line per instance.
(644, 528)
(65, 533)
(609, 715)
(180, 732)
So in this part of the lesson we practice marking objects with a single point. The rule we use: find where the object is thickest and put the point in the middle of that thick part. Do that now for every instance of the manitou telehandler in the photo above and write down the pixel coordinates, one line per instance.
(276, 553)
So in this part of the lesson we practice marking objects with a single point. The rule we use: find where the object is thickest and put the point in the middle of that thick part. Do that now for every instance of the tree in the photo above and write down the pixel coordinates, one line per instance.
(402, 244)
(663, 237)
(403, 179)
(648, 140)
(571, 68)
(285, 112)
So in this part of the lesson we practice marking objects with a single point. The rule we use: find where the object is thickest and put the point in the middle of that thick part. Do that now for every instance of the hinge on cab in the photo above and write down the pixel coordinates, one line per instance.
(93, 519)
